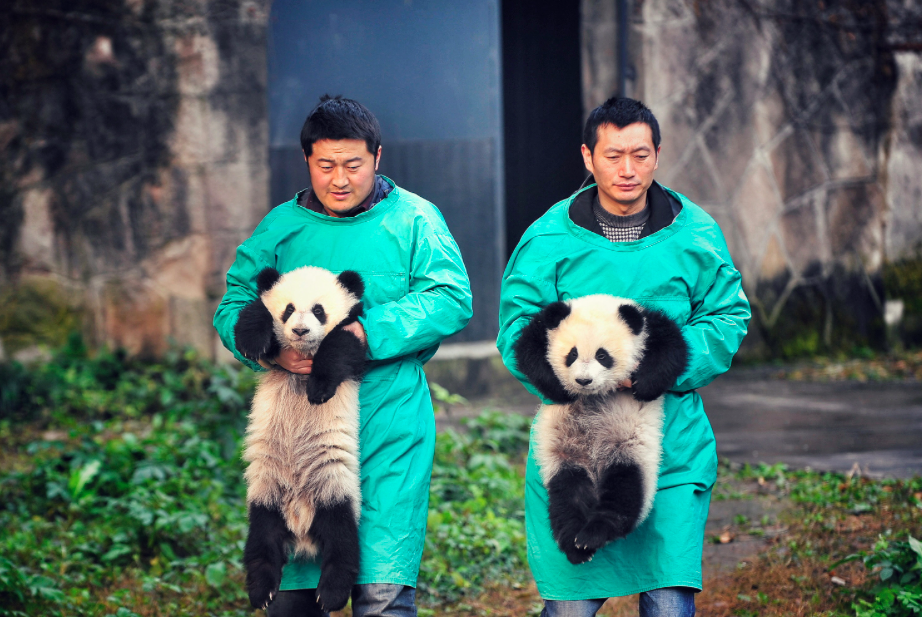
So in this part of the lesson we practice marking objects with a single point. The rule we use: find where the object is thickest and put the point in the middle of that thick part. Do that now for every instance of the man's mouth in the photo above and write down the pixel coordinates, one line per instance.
(626, 187)
(340, 194)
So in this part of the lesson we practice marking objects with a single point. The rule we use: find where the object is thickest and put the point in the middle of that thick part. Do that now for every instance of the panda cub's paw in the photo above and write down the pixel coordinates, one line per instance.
(263, 582)
(334, 589)
(600, 531)
(319, 390)
(577, 555)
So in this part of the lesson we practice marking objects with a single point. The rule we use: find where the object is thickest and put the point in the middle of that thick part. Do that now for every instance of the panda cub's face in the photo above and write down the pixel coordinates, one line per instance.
(306, 304)
(593, 349)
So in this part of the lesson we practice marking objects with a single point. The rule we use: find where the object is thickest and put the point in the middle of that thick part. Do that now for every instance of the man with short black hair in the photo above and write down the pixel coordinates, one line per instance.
(630, 237)
(416, 294)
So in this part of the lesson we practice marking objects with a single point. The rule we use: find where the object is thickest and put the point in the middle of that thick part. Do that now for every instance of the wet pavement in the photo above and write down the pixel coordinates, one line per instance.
(825, 426)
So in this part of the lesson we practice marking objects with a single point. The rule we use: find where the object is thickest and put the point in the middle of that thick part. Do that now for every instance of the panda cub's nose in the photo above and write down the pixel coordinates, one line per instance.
(584, 382)
(300, 331)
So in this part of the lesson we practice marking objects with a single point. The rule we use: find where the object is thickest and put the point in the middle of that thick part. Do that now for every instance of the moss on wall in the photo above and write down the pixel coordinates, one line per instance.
(903, 281)
(836, 313)
(37, 311)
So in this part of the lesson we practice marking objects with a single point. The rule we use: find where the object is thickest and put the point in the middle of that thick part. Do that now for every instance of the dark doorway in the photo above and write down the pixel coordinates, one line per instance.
(542, 109)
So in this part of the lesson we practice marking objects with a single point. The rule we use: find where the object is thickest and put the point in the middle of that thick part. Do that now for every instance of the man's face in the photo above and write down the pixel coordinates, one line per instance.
(342, 173)
(623, 163)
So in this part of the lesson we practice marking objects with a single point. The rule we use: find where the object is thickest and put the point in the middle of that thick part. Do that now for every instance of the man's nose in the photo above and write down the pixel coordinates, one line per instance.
(340, 177)
(626, 168)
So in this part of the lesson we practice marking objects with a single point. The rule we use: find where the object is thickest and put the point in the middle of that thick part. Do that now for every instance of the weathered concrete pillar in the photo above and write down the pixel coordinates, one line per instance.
(796, 126)
(135, 161)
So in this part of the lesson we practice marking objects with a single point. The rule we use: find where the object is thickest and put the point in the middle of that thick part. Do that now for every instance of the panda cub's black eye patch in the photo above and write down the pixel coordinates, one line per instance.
(604, 358)
(288, 311)
(572, 356)
(319, 313)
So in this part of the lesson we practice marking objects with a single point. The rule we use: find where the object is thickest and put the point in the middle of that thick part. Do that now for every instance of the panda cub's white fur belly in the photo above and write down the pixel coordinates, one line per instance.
(593, 433)
(302, 455)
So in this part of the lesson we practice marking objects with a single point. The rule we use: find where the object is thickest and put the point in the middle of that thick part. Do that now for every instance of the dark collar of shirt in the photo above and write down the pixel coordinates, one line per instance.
(663, 210)
(379, 193)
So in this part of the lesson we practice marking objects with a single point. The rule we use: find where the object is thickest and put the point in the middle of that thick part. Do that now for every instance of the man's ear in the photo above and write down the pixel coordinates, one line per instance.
(377, 158)
(656, 163)
(587, 158)
(305, 155)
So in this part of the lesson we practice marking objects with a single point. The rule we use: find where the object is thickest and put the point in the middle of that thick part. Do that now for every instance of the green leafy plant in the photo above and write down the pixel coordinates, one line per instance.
(898, 569)
(476, 527)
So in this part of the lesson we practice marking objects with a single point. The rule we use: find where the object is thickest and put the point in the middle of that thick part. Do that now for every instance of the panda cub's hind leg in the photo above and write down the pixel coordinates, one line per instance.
(571, 500)
(335, 532)
(265, 553)
(621, 499)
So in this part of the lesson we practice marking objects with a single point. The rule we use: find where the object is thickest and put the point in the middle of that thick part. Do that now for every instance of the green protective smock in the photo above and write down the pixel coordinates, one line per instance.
(417, 293)
(684, 270)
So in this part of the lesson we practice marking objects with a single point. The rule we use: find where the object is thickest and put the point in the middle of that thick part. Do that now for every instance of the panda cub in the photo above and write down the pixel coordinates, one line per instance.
(599, 447)
(302, 438)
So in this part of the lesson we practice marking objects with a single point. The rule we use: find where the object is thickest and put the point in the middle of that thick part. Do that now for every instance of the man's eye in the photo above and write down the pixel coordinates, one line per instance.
(353, 169)
(642, 157)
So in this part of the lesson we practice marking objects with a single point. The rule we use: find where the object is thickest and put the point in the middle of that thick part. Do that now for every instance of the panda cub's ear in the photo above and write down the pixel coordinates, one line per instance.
(531, 352)
(552, 314)
(352, 282)
(632, 317)
(267, 279)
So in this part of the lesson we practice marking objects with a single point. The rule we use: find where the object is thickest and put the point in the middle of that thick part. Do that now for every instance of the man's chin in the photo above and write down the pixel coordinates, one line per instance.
(338, 208)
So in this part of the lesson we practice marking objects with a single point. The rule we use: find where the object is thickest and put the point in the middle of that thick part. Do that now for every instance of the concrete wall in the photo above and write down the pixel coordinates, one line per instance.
(134, 140)
(798, 126)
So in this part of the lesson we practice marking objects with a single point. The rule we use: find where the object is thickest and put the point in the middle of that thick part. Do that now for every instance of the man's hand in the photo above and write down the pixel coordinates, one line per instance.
(293, 361)
(356, 328)
(627, 384)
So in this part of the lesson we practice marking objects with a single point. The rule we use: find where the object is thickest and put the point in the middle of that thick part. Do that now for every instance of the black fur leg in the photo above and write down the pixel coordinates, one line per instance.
(253, 332)
(620, 502)
(664, 359)
(571, 500)
(265, 553)
(341, 356)
(296, 603)
(531, 352)
(337, 536)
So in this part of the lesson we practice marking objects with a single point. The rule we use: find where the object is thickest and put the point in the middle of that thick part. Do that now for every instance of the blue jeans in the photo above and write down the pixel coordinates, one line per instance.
(371, 600)
(666, 602)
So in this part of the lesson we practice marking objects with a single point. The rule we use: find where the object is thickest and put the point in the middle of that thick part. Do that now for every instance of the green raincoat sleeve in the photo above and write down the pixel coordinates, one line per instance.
(241, 290)
(438, 303)
(717, 326)
(527, 287)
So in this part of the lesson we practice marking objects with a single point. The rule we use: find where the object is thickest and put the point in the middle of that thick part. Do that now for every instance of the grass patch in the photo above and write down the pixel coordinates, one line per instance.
(829, 556)
(121, 493)
(863, 365)
(121, 487)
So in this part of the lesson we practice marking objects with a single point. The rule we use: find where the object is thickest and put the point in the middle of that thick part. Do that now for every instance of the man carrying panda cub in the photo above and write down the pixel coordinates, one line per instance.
(416, 293)
(630, 237)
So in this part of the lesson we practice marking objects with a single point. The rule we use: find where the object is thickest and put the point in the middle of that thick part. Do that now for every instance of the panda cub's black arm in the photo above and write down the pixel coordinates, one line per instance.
(664, 360)
(341, 356)
(253, 332)
(531, 352)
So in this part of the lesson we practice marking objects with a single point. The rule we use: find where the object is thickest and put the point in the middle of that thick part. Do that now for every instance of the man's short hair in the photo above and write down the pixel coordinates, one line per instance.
(619, 111)
(337, 118)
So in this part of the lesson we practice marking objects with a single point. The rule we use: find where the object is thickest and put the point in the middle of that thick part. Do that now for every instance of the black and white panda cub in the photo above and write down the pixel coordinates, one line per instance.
(599, 448)
(302, 438)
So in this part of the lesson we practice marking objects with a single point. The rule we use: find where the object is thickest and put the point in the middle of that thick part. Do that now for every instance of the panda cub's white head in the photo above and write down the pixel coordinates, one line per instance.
(306, 304)
(597, 345)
